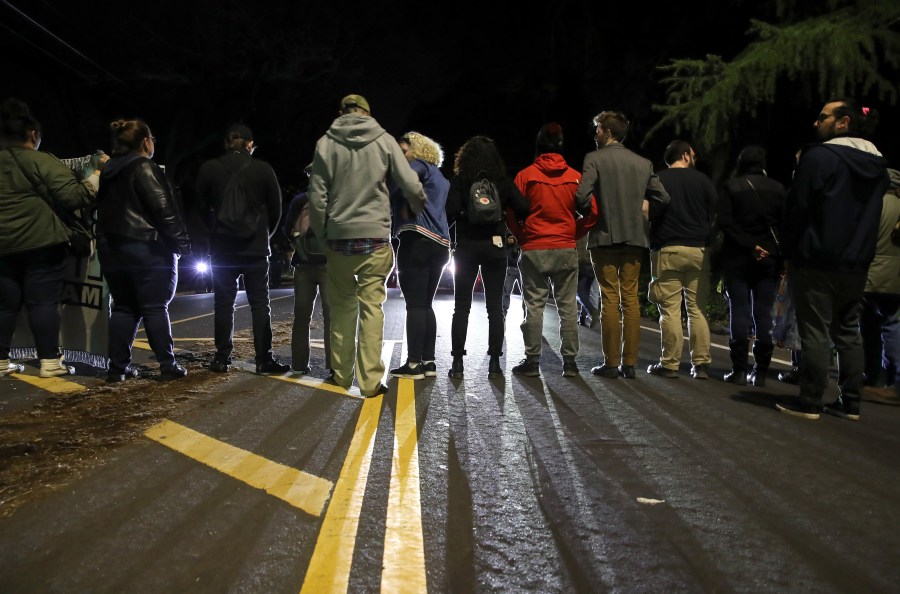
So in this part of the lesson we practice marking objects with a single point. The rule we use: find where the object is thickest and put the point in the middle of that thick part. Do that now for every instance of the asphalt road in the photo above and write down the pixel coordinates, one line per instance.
(551, 484)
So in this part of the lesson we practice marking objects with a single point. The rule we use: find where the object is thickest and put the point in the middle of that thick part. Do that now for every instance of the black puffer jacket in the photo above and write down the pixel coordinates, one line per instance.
(137, 202)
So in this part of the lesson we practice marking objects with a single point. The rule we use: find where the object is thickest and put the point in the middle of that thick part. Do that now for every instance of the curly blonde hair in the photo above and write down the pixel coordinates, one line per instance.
(422, 147)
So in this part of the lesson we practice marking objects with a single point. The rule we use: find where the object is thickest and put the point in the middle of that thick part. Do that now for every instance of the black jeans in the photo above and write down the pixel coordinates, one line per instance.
(33, 279)
(880, 329)
(141, 276)
(420, 264)
(469, 257)
(226, 269)
(750, 287)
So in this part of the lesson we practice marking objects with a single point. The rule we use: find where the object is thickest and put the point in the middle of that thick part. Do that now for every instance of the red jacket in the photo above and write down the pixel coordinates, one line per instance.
(549, 185)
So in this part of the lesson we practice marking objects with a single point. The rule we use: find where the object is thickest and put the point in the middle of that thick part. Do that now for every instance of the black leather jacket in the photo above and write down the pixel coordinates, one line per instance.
(137, 202)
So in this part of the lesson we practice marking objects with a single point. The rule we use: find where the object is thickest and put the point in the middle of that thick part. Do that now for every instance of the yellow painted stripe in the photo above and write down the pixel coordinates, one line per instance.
(303, 380)
(404, 548)
(57, 385)
(298, 488)
(329, 567)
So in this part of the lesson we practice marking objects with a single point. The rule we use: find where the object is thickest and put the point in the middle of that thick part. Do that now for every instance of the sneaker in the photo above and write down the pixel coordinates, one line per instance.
(658, 369)
(55, 367)
(381, 389)
(570, 369)
(172, 372)
(757, 377)
(272, 366)
(429, 368)
(607, 371)
(219, 366)
(302, 370)
(494, 369)
(6, 368)
(799, 408)
(627, 371)
(790, 377)
(888, 396)
(738, 377)
(699, 372)
(409, 371)
(527, 368)
(844, 408)
(130, 373)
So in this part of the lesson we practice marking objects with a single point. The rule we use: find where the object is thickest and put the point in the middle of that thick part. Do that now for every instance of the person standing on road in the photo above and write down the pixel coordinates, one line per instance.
(549, 260)
(624, 185)
(750, 210)
(680, 261)
(350, 207)
(310, 273)
(829, 234)
(141, 234)
(244, 252)
(479, 247)
(34, 186)
(423, 253)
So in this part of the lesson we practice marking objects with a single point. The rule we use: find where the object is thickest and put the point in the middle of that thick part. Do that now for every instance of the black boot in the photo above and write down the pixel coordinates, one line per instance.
(456, 368)
(762, 357)
(739, 353)
(494, 369)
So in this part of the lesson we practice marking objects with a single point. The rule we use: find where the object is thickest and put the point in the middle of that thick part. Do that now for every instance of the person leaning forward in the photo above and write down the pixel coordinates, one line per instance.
(350, 207)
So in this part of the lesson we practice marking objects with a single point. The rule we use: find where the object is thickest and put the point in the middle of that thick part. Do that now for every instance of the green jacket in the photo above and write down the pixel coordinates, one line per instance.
(27, 221)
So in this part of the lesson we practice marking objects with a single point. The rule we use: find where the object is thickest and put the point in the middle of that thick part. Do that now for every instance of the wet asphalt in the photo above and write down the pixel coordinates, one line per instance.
(515, 484)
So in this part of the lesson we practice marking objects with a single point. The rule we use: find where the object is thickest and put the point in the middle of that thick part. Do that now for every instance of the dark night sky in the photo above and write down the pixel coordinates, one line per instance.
(447, 70)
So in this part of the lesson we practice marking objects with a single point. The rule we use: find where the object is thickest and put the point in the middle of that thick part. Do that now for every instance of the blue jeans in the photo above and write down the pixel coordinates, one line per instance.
(255, 269)
(880, 329)
(420, 264)
(33, 279)
(141, 276)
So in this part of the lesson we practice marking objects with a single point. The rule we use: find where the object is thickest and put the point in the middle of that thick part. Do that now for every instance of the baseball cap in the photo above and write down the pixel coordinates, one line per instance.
(355, 101)
(239, 131)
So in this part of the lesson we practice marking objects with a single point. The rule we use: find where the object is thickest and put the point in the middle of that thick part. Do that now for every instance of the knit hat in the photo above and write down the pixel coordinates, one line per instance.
(355, 101)
(549, 139)
(239, 131)
(752, 158)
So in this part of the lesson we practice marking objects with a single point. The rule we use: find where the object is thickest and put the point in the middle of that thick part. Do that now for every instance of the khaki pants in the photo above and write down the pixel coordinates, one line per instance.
(617, 269)
(356, 294)
(678, 271)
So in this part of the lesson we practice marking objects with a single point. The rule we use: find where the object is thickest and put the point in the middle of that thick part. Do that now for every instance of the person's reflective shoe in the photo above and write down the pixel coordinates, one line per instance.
(738, 377)
(272, 366)
(55, 367)
(607, 371)
(219, 366)
(429, 368)
(570, 369)
(114, 377)
(409, 370)
(791, 376)
(844, 408)
(494, 369)
(627, 371)
(6, 367)
(527, 368)
(799, 408)
(381, 389)
(658, 369)
(456, 368)
(172, 372)
(301, 371)
(700, 372)
(889, 396)
(757, 377)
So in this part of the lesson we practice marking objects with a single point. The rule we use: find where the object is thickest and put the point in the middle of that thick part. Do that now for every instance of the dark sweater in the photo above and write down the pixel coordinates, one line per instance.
(688, 218)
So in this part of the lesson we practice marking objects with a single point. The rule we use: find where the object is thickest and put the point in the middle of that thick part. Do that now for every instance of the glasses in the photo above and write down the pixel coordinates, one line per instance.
(823, 117)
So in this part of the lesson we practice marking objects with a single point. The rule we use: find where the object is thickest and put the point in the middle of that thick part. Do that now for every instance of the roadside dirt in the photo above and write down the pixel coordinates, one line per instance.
(63, 437)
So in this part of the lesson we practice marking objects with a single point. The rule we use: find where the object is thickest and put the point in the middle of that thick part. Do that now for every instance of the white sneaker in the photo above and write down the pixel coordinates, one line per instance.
(55, 367)
(6, 367)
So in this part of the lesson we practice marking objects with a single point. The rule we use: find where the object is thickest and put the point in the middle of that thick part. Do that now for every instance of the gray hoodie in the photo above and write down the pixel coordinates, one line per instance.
(348, 186)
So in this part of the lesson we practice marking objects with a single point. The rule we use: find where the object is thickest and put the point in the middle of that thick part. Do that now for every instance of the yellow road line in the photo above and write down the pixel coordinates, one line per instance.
(57, 385)
(329, 567)
(298, 488)
(303, 380)
(404, 549)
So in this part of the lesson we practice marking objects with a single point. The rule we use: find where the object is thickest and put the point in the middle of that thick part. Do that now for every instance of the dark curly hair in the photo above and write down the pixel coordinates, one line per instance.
(479, 154)
(16, 121)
